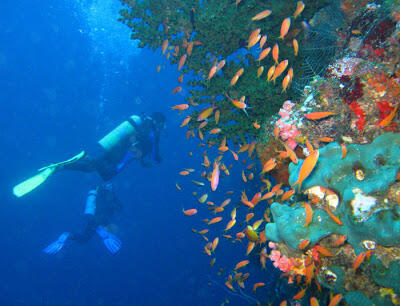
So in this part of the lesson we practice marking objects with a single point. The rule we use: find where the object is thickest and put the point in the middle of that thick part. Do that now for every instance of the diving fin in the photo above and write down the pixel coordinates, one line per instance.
(33, 182)
(68, 161)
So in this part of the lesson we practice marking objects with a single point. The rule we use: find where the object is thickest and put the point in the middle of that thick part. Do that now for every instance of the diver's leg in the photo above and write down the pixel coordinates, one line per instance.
(88, 232)
(112, 243)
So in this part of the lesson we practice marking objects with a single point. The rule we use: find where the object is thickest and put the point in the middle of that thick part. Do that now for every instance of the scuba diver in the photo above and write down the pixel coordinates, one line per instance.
(101, 205)
(133, 139)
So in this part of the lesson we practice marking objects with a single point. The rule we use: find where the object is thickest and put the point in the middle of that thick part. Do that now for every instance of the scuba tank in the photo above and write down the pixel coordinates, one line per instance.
(121, 133)
(90, 207)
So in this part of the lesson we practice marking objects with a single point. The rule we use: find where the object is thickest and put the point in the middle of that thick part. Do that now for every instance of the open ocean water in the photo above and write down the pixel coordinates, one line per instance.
(69, 74)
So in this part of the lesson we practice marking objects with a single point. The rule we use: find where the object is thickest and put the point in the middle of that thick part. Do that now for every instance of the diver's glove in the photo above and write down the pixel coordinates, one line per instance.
(57, 245)
(112, 243)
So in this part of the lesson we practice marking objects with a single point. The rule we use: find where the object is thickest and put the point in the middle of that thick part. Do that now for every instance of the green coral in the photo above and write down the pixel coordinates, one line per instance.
(365, 181)
(223, 28)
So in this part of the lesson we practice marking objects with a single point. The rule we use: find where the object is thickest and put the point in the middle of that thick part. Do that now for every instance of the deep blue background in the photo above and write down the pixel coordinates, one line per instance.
(58, 95)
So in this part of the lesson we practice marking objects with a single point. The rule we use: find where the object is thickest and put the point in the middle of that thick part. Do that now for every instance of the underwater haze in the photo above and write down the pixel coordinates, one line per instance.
(69, 74)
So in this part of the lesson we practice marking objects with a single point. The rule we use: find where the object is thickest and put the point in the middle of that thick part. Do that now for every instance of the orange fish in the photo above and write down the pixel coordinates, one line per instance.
(309, 214)
(182, 61)
(285, 27)
(257, 285)
(344, 150)
(264, 53)
(203, 232)
(203, 198)
(333, 217)
(214, 244)
(203, 124)
(260, 70)
(244, 148)
(287, 194)
(254, 41)
(158, 68)
(220, 65)
(212, 72)
(230, 224)
(262, 15)
(285, 82)
(215, 131)
(168, 55)
(299, 295)
(319, 115)
(181, 107)
(240, 235)
(280, 69)
(233, 213)
(251, 149)
(241, 264)
(249, 216)
(256, 125)
(275, 53)
(295, 47)
(178, 187)
(269, 165)
(251, 234)
(323, 251)
(270, 72)
(212, 262)
(216, 116)
(290, 72)
(254, 38)
(358, 261)
(207, 249)
(326, 139)
(340, 240)
(257, 224)
(201, 135)
(388, 119)
(263, 40)
(313, 301)
(180, 78)
(303, 244)
(215, 220)
(299, 9)
(189, 48)
(190, 212)
(177, 89)
(250, 247)
(185, 172)
(307, 167)
(205, 113)
(268, 195)
(336, 300)
(164, 46)
(226, 202)
(247, 203)
(215, 177)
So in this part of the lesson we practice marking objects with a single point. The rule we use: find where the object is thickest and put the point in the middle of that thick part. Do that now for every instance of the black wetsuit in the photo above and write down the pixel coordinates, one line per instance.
(109, 164)
(107, 204)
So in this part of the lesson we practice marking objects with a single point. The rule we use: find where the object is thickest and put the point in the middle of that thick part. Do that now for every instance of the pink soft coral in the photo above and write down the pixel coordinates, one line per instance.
(288, 130)
(281, 262)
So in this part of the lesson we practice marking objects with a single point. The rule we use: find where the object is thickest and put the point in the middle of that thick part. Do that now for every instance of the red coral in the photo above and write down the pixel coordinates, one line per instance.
(384, 111)
(360, 114)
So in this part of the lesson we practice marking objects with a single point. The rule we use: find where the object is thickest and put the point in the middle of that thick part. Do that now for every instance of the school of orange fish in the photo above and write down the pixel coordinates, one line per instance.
(214, 171)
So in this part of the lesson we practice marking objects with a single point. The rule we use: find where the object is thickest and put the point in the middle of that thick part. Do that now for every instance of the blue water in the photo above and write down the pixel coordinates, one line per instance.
(69, 74)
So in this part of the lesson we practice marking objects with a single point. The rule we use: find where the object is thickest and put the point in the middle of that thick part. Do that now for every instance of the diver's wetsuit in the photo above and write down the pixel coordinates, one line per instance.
(110, 163)
(106, 205)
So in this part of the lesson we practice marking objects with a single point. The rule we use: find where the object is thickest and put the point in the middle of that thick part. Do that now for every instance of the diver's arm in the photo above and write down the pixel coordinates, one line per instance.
(126, 160)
